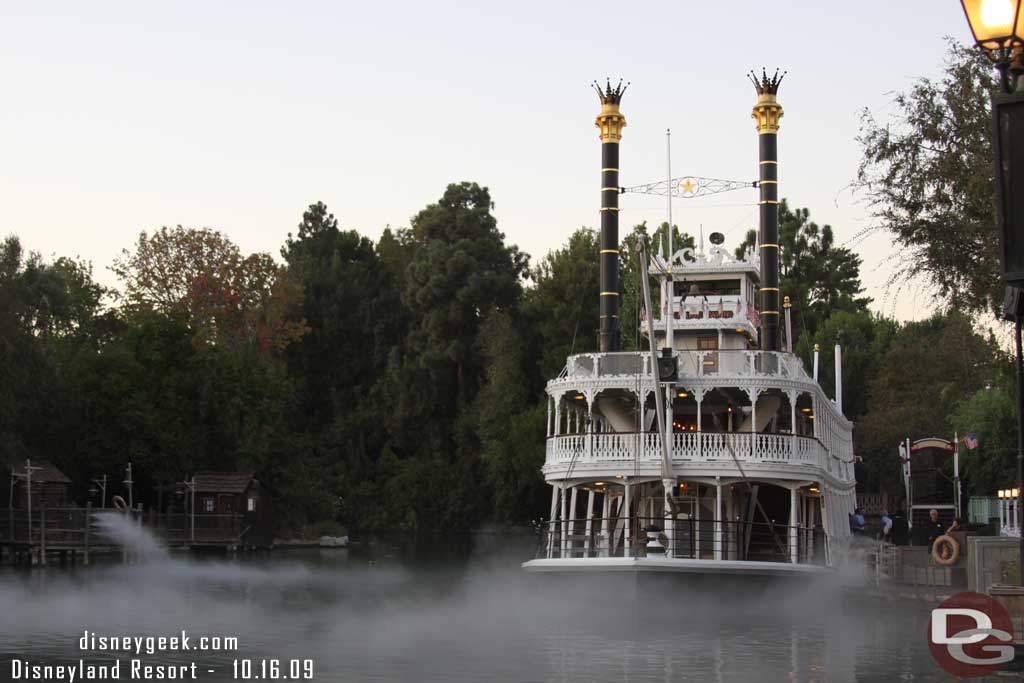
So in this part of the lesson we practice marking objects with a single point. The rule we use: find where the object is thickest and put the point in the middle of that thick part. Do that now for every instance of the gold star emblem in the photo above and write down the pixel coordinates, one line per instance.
(688, 186)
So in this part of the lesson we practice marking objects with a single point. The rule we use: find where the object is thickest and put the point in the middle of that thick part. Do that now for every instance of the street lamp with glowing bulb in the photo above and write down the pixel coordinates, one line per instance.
(998, 30)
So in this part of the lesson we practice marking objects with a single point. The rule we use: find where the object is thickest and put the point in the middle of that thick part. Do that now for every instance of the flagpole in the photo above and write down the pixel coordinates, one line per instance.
(956, 470)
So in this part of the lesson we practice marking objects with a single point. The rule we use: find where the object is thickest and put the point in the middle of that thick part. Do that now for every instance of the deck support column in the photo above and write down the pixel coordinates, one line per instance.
(565, 522)
(627, 549)
(558, 417)
(590, 429)
(700, 439)
(572, 518)
(792, 424)
(587, 545)
(793, 509)
(551, 520)
(718, 518)
(606, 512)
(696, 524)
(812, 508)
(753, 421)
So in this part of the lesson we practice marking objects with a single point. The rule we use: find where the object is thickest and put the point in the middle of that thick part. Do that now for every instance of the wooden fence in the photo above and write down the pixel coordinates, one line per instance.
(75, 529)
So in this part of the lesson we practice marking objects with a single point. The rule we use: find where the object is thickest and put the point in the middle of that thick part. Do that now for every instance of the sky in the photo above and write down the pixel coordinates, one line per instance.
(121, 117)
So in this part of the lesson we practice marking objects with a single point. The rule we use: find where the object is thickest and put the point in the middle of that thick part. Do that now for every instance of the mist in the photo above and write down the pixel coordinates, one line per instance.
(363, 617)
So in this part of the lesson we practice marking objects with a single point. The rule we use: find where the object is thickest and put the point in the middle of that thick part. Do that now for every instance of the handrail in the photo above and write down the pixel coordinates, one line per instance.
(621, 447)
(690, 539)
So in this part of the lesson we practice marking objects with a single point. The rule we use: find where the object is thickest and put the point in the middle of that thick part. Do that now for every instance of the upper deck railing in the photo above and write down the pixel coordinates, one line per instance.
(691, 363)
(623, 448)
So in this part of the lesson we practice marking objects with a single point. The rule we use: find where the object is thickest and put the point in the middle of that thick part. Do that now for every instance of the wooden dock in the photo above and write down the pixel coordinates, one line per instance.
(71, 535)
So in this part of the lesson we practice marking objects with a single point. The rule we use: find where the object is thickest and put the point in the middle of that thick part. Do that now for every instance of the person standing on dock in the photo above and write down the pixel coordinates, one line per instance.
(934, 527)
(857, 521)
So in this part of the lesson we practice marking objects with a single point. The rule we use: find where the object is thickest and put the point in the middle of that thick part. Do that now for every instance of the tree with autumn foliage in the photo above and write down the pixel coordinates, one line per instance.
(225, 297)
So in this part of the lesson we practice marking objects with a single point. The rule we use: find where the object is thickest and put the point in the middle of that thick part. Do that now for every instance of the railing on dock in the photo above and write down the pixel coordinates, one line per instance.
(687, 539)
(178, 528)
(76, 528)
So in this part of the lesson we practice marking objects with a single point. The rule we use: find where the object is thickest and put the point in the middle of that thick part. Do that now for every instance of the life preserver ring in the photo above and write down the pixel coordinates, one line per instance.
(119, 502)
(945, 550)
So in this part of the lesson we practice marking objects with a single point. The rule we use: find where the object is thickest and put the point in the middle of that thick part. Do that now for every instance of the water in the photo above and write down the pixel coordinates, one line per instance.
(362, 615)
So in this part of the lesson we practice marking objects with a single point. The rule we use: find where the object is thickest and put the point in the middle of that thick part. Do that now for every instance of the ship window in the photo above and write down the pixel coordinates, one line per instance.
(208, 504)
(710, 359)
(251, 505)
(707, 287)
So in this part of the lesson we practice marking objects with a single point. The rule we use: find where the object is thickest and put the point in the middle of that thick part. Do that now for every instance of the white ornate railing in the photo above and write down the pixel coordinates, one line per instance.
(693, 447)
(692, 363)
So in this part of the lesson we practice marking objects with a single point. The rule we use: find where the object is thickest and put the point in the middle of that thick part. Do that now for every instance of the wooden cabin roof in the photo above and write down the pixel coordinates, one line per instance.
(222, 482)
(46, 474)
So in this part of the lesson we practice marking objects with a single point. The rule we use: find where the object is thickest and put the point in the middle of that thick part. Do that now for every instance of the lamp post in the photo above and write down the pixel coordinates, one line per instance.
(998, 30)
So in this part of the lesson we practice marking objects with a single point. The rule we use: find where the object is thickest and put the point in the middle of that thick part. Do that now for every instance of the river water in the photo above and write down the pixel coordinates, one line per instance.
(371, 613)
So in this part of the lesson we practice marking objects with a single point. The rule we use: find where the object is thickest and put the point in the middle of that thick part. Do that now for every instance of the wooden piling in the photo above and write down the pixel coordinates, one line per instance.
(42, 536)
(88, 524)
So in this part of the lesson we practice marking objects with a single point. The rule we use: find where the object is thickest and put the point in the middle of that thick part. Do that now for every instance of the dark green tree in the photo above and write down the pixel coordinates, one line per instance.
(928, 369)
(562, 307)
(991, 414)
(864, 337)
(818, 276)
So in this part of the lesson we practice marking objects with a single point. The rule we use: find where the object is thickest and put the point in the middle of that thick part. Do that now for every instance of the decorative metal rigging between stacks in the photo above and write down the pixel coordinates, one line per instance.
(689, 187)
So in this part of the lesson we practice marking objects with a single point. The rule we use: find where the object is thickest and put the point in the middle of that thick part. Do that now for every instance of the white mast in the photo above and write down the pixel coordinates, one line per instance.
(667, 476)
(669, 336)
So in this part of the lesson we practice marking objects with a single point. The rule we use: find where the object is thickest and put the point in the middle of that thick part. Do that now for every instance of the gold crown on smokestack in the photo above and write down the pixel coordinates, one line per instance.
(610, 95)
(767, 112)
(767, 85)
(610, 121)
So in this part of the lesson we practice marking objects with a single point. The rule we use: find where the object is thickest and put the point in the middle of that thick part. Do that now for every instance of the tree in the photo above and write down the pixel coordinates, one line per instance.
(818, 276)
(926, 371)
(864, 338)
(561, 307)
(226, 297)
(511, 423)
(461, 271)
(353, 313)
(49, 313)
(632, 299)
(991, 414)
(928, 177)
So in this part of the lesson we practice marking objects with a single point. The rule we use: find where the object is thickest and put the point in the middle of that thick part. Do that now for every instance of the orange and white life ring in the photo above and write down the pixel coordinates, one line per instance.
(119, 502)
(945, 550)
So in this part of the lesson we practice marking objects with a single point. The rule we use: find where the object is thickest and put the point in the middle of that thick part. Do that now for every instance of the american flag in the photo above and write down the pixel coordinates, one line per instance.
(971, 441)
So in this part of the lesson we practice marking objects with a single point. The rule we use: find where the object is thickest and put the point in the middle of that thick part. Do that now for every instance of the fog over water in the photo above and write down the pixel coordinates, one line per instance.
(363, 615)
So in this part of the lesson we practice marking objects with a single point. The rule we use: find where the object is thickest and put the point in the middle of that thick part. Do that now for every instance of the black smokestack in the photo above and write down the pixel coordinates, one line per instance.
(767, 113)
(610, 122)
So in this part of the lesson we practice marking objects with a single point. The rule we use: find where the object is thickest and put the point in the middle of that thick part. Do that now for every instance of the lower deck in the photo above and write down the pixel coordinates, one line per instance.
(673, 524)
(672, 565)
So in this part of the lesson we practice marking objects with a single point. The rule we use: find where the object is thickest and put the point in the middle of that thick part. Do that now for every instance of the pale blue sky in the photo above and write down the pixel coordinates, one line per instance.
(118, 117)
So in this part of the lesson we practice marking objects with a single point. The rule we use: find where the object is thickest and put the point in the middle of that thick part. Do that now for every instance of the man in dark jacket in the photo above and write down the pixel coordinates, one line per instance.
(933, 527)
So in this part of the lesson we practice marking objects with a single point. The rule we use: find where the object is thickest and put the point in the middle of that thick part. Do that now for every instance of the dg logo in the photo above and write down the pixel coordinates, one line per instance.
(971, 635)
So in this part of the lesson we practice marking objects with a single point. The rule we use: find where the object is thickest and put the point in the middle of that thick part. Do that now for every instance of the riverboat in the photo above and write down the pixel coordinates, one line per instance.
(714, 450)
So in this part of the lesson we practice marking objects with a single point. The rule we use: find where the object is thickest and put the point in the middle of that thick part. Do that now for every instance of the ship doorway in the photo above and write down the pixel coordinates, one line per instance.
(763, 527)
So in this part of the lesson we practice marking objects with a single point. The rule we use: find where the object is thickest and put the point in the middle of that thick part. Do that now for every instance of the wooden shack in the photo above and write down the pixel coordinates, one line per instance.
(223, 494)
(50, 487)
